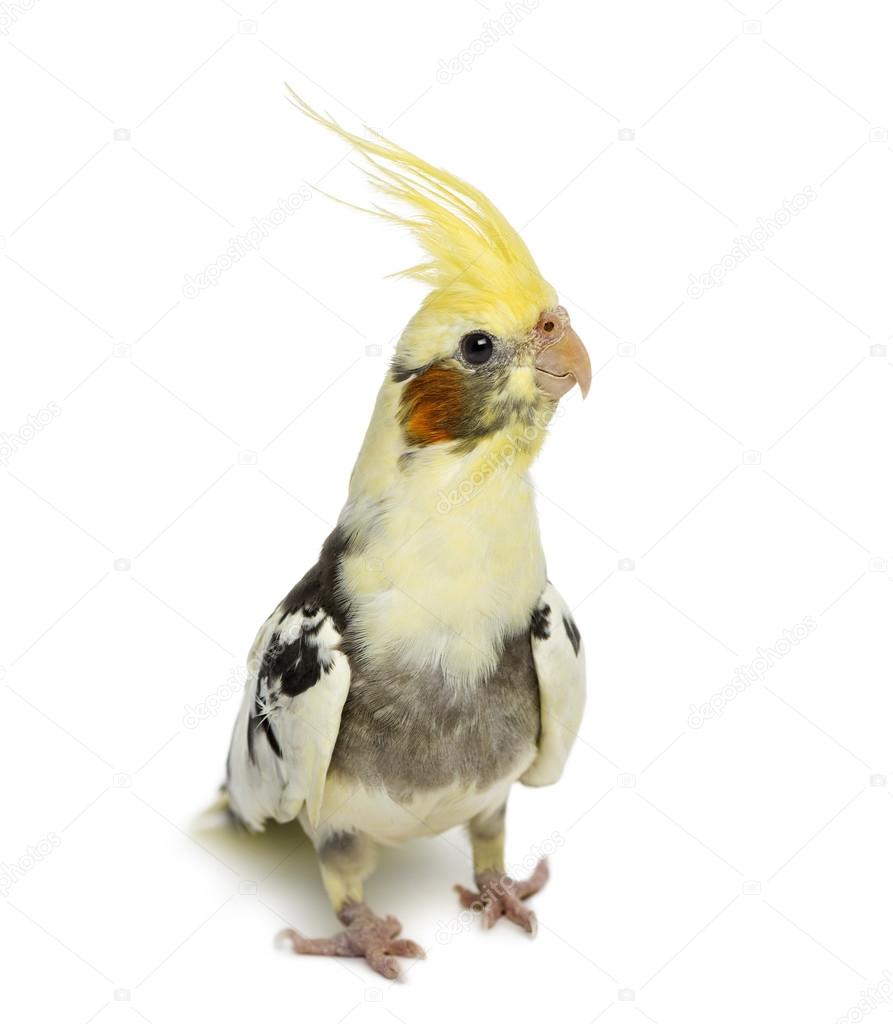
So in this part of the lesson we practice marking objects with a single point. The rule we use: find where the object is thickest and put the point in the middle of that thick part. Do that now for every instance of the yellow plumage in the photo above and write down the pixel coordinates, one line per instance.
(478, 265)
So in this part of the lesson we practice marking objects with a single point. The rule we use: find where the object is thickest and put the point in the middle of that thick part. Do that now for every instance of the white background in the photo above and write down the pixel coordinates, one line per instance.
(728, 478)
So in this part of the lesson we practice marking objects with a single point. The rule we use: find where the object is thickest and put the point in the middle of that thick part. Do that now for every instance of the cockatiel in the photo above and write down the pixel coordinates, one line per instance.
(425, 663)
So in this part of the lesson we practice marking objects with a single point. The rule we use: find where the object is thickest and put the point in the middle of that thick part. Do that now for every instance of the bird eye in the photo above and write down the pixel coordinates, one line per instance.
(477, 347)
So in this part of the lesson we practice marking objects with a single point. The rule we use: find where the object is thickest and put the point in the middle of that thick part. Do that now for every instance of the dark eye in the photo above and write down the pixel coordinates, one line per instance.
(477, 347)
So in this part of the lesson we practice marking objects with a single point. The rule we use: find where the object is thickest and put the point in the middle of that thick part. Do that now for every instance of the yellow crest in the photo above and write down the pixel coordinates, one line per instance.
(478, 267)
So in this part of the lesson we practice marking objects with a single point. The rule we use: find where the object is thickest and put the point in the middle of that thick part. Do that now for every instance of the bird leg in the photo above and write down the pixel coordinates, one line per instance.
(345, 860)
(499, 895)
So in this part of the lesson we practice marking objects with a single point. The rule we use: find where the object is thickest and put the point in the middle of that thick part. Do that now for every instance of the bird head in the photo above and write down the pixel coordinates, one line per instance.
(490, 351)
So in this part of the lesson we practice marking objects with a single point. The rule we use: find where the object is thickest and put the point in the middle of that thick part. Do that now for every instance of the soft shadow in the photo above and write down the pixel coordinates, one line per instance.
(414, 879)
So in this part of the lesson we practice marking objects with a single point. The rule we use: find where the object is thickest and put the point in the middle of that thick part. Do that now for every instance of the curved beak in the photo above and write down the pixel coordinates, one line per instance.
(561, 364)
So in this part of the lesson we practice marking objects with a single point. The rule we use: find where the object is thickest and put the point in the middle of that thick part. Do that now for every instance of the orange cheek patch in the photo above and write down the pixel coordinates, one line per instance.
(431, 407)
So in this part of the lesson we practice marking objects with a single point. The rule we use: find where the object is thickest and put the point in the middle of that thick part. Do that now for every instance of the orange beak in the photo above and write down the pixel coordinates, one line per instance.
(562, 363)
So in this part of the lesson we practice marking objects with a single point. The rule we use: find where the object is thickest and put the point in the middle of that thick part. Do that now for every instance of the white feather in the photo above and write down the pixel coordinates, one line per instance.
(561, 672)
(306, 727)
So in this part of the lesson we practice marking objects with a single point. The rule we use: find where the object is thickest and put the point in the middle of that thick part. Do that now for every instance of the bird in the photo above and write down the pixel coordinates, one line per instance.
(425, 663)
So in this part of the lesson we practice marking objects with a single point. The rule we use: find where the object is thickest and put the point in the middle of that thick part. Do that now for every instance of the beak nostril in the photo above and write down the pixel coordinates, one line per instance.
(548, 326)
(561, 360)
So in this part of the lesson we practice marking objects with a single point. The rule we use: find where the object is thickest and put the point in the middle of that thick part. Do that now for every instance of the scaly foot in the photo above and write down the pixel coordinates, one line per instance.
(365, 934)
(500, 895)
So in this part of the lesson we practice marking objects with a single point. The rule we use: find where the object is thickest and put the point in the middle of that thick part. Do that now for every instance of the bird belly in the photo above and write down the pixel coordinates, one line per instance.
(388, 819)
(417, 755)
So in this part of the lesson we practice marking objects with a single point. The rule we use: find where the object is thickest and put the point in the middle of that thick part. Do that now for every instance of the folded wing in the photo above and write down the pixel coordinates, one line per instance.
(561, 673)
(297, 683)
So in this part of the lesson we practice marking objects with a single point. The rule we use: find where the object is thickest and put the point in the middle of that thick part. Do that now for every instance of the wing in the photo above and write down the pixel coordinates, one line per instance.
(298, 678)
(561, 672)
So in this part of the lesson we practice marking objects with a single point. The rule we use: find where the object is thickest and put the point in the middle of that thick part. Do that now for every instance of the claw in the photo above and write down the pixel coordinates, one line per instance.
(500, 896)
(366, 935)
(301, 944)
(406, 947)
(470, 900)
(385, 965)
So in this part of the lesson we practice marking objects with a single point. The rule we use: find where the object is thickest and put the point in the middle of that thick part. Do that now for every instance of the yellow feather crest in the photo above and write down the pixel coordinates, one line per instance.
(478, 267)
